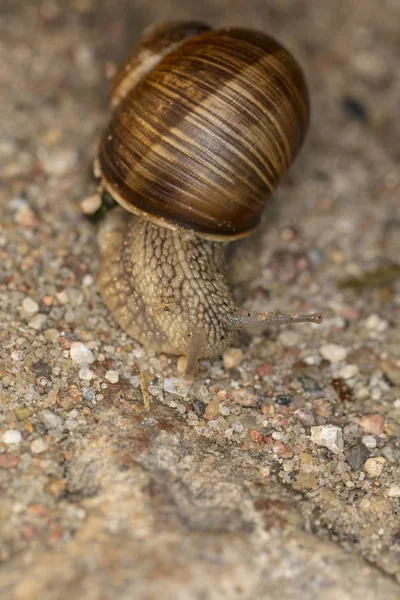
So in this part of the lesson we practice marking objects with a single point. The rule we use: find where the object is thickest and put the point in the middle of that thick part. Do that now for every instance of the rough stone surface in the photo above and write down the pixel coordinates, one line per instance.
(152, 487)
(328, 436)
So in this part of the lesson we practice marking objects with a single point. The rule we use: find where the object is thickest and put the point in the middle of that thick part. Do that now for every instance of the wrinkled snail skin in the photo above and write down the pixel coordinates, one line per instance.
(166, 288)
(204, 124)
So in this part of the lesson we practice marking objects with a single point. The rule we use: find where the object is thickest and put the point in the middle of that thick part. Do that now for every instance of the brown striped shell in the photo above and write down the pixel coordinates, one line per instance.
(201, 136)
(156, 41)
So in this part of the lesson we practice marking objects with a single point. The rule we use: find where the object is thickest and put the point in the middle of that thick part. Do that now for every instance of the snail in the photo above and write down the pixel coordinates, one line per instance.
(204, 123)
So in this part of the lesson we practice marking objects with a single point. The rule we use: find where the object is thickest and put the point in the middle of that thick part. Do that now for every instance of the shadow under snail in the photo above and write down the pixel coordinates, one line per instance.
(204, 124)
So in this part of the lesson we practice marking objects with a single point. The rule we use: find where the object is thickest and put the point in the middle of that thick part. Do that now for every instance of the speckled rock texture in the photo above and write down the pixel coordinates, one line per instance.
(276, 474)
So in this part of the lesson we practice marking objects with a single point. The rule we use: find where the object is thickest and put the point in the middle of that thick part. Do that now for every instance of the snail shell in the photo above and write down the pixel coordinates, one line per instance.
(205, 123)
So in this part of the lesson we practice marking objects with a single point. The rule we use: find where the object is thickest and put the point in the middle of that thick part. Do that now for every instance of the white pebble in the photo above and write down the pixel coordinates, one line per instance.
(394, 491)
(333, 352)
(62, 297)
(81, 354)
(17, 356)
(328, 436)
(38, 446)
(348, 371)
(362, 393)
(289, 338)
(376, 394)
(58, 162)
(278, 435)
(87, 280)
(75, 297)
(237, 426)
(12, 436)
(369, 441)
(112, 376)
(85, 373)
(50, 419)
(232, 358)
(38, 321)
(30, 307)
(90, 204)
(177, 386)
(374, 466)
(376, 324)
(397, 403)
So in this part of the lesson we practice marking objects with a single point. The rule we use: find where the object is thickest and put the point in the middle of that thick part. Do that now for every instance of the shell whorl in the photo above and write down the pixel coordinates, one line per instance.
(156, 42)
(203, 136)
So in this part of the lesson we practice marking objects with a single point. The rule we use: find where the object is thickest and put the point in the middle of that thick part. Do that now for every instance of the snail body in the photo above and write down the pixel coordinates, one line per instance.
(204, 124)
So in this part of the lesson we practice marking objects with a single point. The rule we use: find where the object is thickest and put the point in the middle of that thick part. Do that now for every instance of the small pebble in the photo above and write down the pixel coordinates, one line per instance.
(289, 338)
(22, 413)
(62, 297)
(309, 384)
(328, 436)
(30, 307)
(282, 449)
(12, 436)
(305, 481)
(333, 352)
(376, 324)
(232, 358)
(356, 456)
(85, 374)
(81, 354)
(50, 419)
(58, 162)
(372, 424)
(394, 491)
(112, 376)
(362, 393)
(181, 408)
(91, 204)
(71, 424)
(283, 399)
(392, 371)
(237, 427)
(87, 280)
(8, 461)
(199, 407)
(26, 217)
(304, 417)
(369, 441)
(38, 446)
(374, 466)
(354, 109)
(177, 386)
(348, 371)
(38, 321)
(244, 397)
(264, 370)
(211, 410)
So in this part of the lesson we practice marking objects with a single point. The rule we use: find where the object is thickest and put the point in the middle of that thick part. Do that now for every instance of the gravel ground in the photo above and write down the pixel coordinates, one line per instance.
(277, 473)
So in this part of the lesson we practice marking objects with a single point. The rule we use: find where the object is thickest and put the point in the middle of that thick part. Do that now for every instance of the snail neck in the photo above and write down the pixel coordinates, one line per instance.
(167, 289)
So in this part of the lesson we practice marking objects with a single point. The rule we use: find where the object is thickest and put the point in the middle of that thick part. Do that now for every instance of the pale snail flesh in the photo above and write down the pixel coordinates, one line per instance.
(204, 124)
